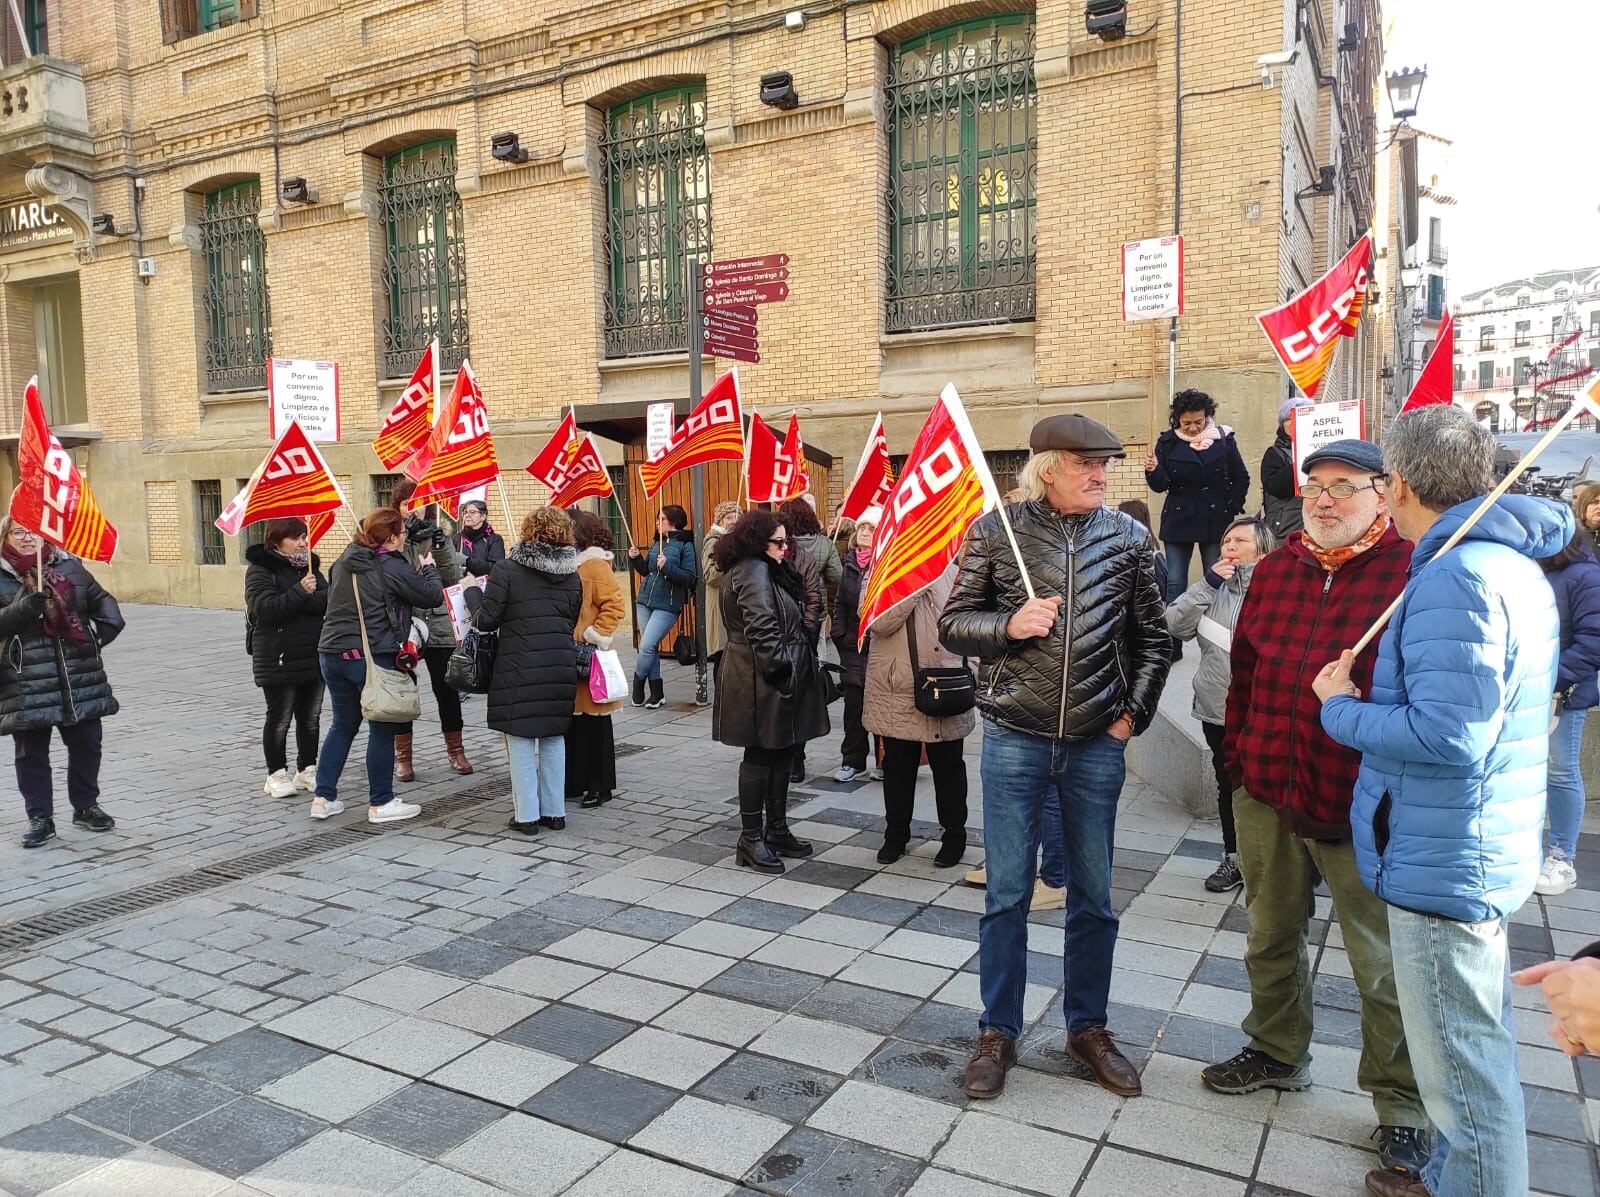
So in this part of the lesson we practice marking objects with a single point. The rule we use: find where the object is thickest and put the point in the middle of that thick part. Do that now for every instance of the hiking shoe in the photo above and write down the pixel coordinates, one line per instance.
(326, 808)
(39, 833)
(1251, 1070)
(1403, 1149)
(1226, 877)
(847, 773)
(1557, 876)
(279, 785)
(1395, 1184)
(393, 811)
(93, 818)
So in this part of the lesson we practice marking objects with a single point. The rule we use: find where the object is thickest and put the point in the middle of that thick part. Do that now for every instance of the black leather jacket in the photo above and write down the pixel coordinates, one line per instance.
(1109, 653)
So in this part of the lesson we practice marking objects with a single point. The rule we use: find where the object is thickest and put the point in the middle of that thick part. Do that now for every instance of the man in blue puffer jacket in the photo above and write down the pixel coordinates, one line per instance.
(1449, 804)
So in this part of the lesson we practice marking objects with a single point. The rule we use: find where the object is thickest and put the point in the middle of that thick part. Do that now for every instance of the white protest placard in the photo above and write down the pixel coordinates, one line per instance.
(1152, 278)
(455, 598)
(308, 391)
(658, 422)
(1321, 424)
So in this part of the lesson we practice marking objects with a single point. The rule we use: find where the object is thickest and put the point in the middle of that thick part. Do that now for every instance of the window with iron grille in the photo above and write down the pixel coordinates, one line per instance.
(658, 201)
(616, 517)
(1521, 333)
(383, 489)
(425, 264)
(1486, 337)
(1006, 468)
(238, 318)
(962, 147)
(250, 534)
(207, 507)
(1485, 376)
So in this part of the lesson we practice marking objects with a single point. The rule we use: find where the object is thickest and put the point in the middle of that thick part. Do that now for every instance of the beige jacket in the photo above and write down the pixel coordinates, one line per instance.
(889, 709)
(716, 635)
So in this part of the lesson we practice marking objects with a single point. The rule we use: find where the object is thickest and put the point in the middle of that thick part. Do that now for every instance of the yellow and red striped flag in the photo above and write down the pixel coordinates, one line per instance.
(943, 489)
(571, 466)
(294, 480)
(874, 476)
(713, 431)
(1305, 331)
(406, 427)
(459, 454)
(51, 497)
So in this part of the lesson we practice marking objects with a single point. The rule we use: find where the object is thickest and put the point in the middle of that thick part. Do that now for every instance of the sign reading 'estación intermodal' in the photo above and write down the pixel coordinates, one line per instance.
(29, 222)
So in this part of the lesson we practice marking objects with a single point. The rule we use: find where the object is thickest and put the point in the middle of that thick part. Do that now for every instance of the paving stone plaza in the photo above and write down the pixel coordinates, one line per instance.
(224, 998)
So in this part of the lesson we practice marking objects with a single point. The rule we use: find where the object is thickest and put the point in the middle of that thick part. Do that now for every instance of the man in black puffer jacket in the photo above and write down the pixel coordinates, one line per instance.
(1066, 680)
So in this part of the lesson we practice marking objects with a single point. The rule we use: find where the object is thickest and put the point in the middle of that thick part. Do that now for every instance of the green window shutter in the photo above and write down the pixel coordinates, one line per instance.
(425, 258)
(962, 148)
(238, 316)
(214, 14)
(658, 200)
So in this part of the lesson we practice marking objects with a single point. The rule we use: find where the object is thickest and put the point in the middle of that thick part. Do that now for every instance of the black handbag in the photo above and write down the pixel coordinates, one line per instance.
(471, 667)
(585, 660)
(832, 691)
(683, 646)
(942, 692)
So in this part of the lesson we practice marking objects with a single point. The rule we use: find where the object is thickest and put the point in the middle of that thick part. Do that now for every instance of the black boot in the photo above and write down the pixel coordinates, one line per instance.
(797, 766)
(779, 838)
(658, 695)
(752, 851)
(638, 691)
(40, 832)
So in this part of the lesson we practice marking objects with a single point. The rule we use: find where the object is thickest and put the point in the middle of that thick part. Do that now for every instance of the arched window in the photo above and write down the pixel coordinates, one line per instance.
(238, 316)
(425, 263)
(962, 145)
(658, 212)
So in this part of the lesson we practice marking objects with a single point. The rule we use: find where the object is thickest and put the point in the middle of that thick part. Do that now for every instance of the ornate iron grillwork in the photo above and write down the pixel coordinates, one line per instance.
(238, 315)
(425, 267)
(383, 489)
(962, 149)
(658, 188)
(207, 507)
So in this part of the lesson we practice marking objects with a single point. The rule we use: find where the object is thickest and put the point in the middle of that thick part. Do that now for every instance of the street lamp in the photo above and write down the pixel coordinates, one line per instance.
(1405, 90)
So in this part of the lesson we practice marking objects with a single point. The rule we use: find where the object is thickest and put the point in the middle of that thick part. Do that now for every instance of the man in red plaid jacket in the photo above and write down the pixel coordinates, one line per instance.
(1315, 595)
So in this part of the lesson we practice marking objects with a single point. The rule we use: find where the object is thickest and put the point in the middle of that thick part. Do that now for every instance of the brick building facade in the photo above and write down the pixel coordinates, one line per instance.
(214, 181)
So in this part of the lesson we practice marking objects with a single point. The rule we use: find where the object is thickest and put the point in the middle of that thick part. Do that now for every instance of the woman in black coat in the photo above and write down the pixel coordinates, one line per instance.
(533, 600)
(477, 541)
(52, 676)
(844, 632)
(285, 598)
(1196, 464)
(769, 699)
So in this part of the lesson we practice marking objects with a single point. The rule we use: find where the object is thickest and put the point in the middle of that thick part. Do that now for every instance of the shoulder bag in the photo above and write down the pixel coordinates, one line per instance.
(683, 646)
(470, 669)
(940, 692)
(387, 696)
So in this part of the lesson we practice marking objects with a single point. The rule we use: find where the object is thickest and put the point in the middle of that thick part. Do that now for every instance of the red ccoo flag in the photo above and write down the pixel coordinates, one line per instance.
(943, 489)
(1436, 383)
(794, 453)
(406, 427)
(52, 498)
(1305, 331)
(459, 454)
(317, 527)
(770, 474)
(874, 476)
(571, 466)
(294, 480)
(713, 431)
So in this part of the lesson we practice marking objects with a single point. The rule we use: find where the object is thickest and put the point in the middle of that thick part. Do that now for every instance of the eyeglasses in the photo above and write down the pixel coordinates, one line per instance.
(1313, 491)
(781, 541)
(21, 534)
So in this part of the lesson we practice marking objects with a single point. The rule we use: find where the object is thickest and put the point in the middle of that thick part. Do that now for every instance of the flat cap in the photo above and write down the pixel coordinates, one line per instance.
(1076, 434)
(1364, 455)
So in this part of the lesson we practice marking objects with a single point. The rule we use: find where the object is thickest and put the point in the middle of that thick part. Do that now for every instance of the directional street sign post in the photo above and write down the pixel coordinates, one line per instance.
(727, 308)
(746, 293)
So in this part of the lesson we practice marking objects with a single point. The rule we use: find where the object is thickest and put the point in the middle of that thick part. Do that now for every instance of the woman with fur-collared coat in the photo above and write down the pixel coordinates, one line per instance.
(591, 746)
(890, 711)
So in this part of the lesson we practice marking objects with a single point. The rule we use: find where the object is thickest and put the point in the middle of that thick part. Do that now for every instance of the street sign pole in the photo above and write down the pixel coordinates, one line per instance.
(692, 275)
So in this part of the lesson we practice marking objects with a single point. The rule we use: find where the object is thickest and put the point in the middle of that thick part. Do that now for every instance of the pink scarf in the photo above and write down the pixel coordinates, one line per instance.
(863, 558)
(1206, 437)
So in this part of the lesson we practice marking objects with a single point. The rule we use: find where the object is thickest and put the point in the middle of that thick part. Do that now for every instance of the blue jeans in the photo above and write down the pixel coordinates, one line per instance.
(1020, 775)
(345, 679)
(1179, 553)
(538, 777)
(1564, 784)
(653, 627)
(1454, 984)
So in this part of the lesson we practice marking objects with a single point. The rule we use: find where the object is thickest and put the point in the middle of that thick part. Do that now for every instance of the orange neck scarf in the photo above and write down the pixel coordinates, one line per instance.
(1332, 559)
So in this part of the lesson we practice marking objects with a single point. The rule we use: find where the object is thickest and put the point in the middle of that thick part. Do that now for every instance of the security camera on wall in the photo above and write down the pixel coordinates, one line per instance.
(1269, 64)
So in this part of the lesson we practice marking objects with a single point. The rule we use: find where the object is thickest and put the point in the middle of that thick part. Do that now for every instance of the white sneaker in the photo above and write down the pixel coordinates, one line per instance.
(1557, 876)
(393, 811)
(847, 773)
(280, 785)
(326, 808)
(306, 779)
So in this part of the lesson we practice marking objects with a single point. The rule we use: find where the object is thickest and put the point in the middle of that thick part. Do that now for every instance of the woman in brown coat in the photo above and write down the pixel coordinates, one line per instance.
(591, 748)
(723, 519)
(890, 711)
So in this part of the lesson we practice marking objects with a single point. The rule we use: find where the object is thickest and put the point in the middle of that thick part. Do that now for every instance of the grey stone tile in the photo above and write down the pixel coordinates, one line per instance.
(52, 1153)
(434, 1181)
(912, 1068)
(251, 1059)
(14, 1037)
(777, 1087)
(818, 1044)
(630, 997)
(86, 1023)
(940, 920)
(333, 1022)
(1558, 1115)
(55, 1054)
(146, 1170)
(723, 939)
(483, 1009)
(103, 1072)
(764, 984)
(1565, 1169)
(503, 1073)
(333, 1088)
(467, 957)
(629, 1174)
(719, 1019)
(240, 1137)
(529, 1156)
(677, 965)
(952, 1027)
(888, 1118)
(857, 1006)
(601, 1103)
(569, 1032)
(822, 872)
(1028, 1157)
(525, 931)
(1180, 1133)
(724, 1139)
(810, 1163)
(578, 910)
(764, 916)
(170, 1051)
(642, 922)
(874, 908)
(154, 1105)
(1200, 1040)
(543, 977)
(404, 988)
(413, 1046)
(662, 1057)
(425, 1120)
(305, 1171)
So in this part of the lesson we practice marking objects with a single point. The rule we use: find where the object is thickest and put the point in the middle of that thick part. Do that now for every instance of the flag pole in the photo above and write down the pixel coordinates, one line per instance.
(505, 503)
(958, 413)
(1489, 500)
(38, 559)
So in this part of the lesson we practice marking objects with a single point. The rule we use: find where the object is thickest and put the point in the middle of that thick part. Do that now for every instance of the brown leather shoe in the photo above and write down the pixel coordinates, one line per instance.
(402, 758)
(986, 1071)
(1097, 1051)
(458, 753)
(1383, 1183)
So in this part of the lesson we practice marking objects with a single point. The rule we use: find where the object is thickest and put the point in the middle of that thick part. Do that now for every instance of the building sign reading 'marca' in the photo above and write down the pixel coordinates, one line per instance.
(29, 222)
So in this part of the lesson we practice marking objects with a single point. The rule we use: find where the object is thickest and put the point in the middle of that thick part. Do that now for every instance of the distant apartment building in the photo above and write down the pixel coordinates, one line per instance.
(1525, 335)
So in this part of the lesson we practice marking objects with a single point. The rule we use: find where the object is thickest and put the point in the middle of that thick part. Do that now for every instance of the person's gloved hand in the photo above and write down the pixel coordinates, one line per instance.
(34, 603)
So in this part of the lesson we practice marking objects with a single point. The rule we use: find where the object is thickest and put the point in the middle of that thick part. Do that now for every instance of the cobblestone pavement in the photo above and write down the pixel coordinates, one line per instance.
(223, 998)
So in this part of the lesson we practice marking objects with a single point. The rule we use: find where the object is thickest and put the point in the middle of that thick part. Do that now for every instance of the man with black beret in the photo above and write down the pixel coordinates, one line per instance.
(1067, 678)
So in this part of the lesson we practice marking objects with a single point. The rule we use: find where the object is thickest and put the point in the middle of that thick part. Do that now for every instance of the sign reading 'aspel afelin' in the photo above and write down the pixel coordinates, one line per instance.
(30, 222)
(1152, 278)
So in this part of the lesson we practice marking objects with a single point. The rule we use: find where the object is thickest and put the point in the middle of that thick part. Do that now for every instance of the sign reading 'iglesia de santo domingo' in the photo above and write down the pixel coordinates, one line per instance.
(29, 222)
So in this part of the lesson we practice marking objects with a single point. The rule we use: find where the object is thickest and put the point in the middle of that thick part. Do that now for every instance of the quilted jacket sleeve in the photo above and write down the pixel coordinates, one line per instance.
(1453, 643)
(1581, 659)
(1183, 616)
(1152, 646)
(970, 624)
(1242, 659)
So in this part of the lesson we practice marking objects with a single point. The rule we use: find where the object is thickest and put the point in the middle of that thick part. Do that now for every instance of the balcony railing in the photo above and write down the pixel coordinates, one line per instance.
(43, 107)
(1438, 255)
